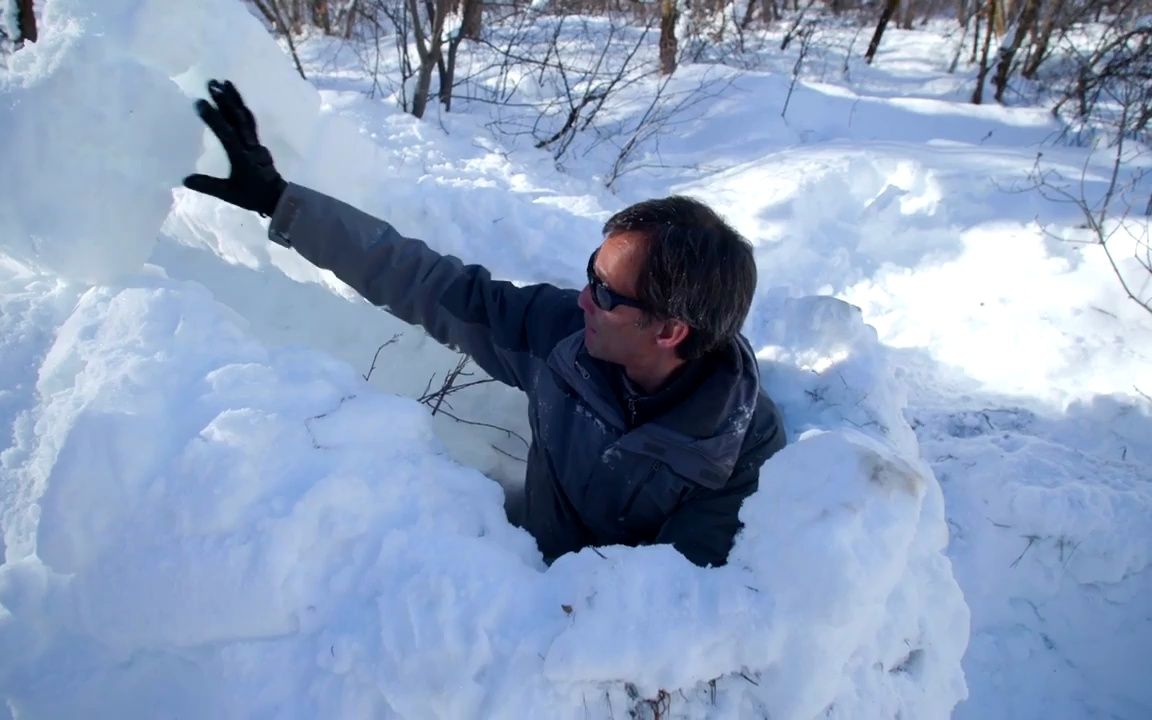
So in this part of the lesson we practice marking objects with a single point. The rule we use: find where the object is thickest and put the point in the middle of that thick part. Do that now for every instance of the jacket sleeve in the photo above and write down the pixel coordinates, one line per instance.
(499, 325)
(703, 528)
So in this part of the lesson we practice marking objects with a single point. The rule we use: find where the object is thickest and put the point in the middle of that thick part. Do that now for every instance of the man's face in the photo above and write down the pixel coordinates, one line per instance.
(622, 335)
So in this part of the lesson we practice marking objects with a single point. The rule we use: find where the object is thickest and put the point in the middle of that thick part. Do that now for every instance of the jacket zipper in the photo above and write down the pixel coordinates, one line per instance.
(632, 412)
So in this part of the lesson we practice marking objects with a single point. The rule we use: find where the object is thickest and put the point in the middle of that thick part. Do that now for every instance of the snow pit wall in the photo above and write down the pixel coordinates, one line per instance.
(197, 522)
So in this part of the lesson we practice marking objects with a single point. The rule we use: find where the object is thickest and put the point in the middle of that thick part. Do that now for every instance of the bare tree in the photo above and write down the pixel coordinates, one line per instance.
(1109, 219)
(960, 43)
(805, 45)
(285, 19)
(1052, 15)
(330, 16)
(472, 16)
(575, 65)
(795, 28)
(429, 34)
(907, 14)
(669, 14)
(585, 99)
(885, 15)
(20, 27)
(386, 21)
(982, 72)
(26, 21)
(665, 110)
(1111, 84)
(1025, 21)
(421, 24)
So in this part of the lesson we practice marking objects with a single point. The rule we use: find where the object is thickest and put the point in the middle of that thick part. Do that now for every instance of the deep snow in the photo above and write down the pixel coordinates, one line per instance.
(206, 510)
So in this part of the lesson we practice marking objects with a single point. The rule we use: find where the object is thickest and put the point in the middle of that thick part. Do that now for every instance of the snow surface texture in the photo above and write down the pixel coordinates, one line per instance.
(199, 523)
(206, 511)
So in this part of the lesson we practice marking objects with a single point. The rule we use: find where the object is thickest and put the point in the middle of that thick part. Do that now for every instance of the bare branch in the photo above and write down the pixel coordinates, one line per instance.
(390, 341)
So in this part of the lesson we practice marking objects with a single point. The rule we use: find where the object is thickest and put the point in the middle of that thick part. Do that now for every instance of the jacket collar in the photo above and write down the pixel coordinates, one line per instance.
(699, 436)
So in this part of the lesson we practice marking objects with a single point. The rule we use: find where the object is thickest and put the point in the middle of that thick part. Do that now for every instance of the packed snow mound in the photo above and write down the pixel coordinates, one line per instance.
(196, 521)
(98, 113)
(200, 516)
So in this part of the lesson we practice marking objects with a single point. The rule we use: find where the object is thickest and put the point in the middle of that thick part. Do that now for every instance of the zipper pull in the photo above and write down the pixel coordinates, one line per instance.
(632, 411)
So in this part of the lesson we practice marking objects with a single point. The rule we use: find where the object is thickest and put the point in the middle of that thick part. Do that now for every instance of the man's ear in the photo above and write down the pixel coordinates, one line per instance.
(672, 333)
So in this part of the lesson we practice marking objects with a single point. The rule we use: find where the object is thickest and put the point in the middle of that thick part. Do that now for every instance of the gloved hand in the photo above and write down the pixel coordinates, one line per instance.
(254, 183)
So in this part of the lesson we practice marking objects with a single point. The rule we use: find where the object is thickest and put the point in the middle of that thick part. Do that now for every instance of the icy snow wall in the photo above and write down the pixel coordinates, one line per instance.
(198, 524)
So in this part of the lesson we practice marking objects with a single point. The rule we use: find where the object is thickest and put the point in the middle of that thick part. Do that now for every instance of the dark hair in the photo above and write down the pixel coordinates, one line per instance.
(698, 269)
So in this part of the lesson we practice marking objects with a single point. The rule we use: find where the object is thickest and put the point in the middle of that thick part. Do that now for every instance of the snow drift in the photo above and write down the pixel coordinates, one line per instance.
(199, 522)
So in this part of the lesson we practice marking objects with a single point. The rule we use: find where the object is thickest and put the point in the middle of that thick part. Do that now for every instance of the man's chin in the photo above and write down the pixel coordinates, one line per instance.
(591, 344)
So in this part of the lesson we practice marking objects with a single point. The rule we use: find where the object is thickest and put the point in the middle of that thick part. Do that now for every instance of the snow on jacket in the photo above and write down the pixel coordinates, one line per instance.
(604, 467)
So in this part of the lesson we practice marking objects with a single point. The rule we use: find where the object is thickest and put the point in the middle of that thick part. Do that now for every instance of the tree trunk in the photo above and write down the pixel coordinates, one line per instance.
(889, 9)
(286, 28)
(979, 15)
(473, 13)
(26, 21)
(321, 17)
(768, 11)
(978, 93)
(749, 10)
(266, 12)
(1024, 21)
(668, 17)
(1039, 50)
(350, 20)
(428, 46)
(423, 85)
(907, 14)
(999, 10)
(447, 69)
(959, 49)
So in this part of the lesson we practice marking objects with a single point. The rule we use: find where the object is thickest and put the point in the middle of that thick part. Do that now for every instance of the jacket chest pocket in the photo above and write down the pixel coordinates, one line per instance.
(650, 495)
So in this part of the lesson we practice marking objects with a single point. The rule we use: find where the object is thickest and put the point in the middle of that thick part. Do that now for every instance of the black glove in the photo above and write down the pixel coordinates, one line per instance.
(254, 183)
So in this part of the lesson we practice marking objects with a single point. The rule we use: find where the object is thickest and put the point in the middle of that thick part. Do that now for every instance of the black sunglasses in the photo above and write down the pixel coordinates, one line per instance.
(603, 296)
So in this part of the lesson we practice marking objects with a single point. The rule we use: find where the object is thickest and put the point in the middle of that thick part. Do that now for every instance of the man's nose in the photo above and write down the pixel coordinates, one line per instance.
(584, 300)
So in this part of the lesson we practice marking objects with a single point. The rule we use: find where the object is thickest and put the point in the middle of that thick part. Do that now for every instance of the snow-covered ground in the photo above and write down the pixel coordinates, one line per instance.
(205, 510)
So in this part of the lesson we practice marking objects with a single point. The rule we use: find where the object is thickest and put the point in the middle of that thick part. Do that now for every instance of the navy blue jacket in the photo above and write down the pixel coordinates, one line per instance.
(605, 466)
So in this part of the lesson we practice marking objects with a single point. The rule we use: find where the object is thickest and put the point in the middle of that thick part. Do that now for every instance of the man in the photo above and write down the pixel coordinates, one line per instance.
(648, 421)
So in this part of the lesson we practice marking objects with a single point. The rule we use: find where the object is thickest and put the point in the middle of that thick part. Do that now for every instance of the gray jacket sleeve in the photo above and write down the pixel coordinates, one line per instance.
(503, 327)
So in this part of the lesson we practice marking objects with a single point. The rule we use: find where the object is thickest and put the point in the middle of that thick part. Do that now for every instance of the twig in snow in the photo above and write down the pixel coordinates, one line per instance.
(1031, 539)
(308, 421)
(805, 45)
(438, 401)
(1109, 217)
(511, 433)
(659, 705)
(1065, 543)
(391, 341)
(450, 386)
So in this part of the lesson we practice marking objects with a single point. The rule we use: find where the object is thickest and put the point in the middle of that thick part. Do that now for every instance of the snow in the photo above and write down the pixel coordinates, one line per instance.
(206, 510)
(8, 25)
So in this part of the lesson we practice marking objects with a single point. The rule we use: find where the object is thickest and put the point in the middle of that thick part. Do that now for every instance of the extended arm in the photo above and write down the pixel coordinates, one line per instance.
(500, 325)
